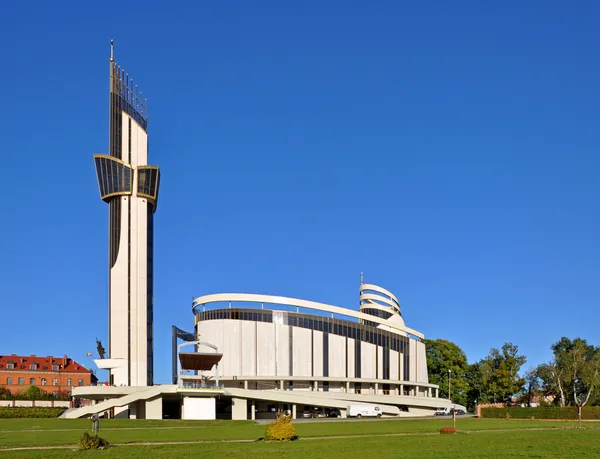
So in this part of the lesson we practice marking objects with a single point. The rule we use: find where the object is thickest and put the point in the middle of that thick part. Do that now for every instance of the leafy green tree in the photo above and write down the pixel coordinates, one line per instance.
(499, 373)
(476, 391)
(33, 393)
(5, 394)
(573, 374)
(442, 356)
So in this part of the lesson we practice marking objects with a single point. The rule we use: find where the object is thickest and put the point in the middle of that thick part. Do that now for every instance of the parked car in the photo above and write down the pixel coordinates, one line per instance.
(333, 413)
(306, 414)
(460, 412)
(443, 411)
(359, 411)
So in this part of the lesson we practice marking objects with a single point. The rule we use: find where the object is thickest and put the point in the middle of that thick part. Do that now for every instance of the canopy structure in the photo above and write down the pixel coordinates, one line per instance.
(201, 361)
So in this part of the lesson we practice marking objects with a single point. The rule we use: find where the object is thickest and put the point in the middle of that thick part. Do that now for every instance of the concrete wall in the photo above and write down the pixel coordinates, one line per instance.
(203, 408)
(367, 354)
(422, 375)
(239, 409)
(412, 352)
(302, 359)
(154, 408)
(394, 365)
(337, 356)
(263, 349)
(317, 353)
(351, 356)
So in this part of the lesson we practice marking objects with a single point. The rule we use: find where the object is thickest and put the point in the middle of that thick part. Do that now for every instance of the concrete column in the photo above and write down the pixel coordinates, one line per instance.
(154, 408)
(401, 389)
(437, 393)
(246, 384)
(281, 385)
(253, 416)
(316, 386)
(239, 409)
(294, 411)
(376, 388)
(133, 411)
(429, 392)
(347, 386)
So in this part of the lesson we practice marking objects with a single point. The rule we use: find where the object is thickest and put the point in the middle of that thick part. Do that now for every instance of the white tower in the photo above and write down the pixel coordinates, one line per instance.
(130, 187)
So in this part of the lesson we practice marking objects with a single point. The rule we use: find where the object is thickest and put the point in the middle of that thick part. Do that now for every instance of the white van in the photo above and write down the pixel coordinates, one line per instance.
(443, 412)
(359, 411)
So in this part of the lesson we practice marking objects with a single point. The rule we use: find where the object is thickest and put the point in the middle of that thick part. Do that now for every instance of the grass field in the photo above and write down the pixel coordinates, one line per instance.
(477, 438)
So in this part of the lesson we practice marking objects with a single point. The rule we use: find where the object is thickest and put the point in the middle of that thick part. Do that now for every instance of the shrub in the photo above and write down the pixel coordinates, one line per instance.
(27, 412)
(5, 394)
(448, 430)
(281, 429)
(88, 441)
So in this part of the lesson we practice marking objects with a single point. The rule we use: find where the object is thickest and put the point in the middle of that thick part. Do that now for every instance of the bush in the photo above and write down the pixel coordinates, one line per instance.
(448, 430)
(281, 429)
(88, 441)
(541, 412)
(5, 394)
(27, 412)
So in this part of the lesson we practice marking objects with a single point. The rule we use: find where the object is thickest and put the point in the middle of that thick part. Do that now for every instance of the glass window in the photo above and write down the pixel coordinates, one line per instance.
(69, 382)
(80, 382)
(9, 381)
(55, 367)
(10, 366)
(33, 366)
(43, 381)
(113, 176)
(21, 381)
(32, 381)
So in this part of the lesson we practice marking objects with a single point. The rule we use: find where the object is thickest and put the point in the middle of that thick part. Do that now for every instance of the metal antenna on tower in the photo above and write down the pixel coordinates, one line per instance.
(362, 278)
(112, 50)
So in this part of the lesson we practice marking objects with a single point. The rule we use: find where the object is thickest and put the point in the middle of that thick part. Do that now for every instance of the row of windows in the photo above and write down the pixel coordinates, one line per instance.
(33, 366)
(354, 330)
(43, 381)
(256, 315)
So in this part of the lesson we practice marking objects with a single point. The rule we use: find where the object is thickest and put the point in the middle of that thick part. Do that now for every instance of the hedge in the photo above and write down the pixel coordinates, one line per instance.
(27, 412)
(541, 412)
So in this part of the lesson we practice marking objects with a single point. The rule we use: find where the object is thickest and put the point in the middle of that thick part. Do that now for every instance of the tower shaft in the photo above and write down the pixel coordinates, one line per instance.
(130, 187)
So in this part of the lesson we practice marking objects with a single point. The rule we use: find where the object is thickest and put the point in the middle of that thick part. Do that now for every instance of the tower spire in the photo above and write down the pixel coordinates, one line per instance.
(112, 50)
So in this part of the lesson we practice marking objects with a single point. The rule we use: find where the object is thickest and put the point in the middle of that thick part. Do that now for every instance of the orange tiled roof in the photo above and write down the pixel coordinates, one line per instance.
(22, 362)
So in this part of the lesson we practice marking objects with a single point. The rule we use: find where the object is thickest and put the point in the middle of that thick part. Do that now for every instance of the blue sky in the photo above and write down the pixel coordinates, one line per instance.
(448, 150)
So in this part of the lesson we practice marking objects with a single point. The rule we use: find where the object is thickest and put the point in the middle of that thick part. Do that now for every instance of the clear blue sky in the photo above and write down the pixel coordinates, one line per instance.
(450, 150)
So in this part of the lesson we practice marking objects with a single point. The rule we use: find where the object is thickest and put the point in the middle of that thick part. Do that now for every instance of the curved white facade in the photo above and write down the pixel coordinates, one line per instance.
(273, 343)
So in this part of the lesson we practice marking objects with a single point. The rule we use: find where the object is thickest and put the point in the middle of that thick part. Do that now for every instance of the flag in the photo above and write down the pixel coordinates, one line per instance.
(89, 354)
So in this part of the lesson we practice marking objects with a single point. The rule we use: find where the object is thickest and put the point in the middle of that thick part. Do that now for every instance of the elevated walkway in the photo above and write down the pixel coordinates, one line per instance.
(119, 401)
(303, 398)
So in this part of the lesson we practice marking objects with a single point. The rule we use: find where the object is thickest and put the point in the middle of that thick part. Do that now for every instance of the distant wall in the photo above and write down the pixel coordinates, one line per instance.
(36, 403)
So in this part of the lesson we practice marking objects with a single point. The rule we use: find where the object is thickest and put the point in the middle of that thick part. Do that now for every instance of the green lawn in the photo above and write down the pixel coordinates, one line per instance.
(476, 438)
(517, 444)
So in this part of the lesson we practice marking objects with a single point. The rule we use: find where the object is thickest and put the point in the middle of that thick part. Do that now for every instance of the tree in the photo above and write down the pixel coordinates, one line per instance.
(443, 355)
(532, 386)
(499, 373)
(33, 393)
(5, 394)
(583, 362)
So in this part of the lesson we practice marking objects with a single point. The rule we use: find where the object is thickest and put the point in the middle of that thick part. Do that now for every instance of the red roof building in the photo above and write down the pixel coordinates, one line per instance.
(53, 374)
